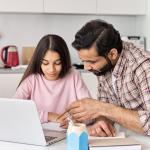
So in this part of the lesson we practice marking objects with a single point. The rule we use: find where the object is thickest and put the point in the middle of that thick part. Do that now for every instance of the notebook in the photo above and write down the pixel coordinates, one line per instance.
(118, 135)
(114, 144)
(20, 123)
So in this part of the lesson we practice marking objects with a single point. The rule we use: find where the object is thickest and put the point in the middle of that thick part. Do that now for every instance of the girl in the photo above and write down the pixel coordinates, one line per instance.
(49, 79)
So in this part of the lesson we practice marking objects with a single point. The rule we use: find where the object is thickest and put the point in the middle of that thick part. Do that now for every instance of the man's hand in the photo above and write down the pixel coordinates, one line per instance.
(59, 118)
(63, 120)
(84, 109)
(102, 127)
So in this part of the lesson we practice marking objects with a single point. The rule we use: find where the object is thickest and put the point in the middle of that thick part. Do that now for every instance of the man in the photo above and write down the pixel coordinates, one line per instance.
(123, 72)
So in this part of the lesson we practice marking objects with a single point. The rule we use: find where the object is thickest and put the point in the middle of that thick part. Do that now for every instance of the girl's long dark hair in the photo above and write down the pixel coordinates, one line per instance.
(48, 42)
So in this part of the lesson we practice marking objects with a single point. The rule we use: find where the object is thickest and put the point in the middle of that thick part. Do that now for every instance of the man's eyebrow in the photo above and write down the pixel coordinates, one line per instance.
(88, 61)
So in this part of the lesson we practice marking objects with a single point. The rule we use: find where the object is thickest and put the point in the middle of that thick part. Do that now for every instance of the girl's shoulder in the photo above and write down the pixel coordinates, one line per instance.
(33, 77)
(74, 72)
(73, 75)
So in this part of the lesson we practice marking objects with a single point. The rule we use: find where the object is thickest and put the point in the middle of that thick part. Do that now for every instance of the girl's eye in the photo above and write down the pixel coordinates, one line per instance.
(58, 63)
(54, 63)
(44, 63)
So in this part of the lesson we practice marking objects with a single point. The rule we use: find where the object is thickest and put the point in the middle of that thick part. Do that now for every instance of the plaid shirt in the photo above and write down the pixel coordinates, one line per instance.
(132, 84)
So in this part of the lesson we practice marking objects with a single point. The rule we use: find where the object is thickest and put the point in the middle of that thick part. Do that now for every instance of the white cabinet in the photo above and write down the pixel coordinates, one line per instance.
(121, 7)
(104, 7)
(21, 5)
(8, 84)
(70, 6)
(91, 82)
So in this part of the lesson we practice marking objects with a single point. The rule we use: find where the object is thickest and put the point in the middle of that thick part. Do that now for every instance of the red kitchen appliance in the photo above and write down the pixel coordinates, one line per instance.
(9, 56)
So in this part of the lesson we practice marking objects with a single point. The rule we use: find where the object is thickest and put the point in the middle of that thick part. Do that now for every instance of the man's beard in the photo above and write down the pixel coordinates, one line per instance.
(107, 68)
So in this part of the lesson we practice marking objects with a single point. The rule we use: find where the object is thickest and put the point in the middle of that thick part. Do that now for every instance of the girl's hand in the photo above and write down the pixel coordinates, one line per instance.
(62, 119)
(52, 117)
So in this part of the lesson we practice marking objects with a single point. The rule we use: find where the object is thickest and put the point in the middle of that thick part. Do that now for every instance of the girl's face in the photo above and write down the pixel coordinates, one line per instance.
(51, 65)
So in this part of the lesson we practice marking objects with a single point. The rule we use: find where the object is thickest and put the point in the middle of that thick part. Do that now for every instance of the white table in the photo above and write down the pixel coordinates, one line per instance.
(62, 145)
(145, 141)
(15, 146)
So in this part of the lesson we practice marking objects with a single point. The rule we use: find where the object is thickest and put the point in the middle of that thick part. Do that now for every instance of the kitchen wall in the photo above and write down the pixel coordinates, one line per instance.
(27, 29)
(142, 25)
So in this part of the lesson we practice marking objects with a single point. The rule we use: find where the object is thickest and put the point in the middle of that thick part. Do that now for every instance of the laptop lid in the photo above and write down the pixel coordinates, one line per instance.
(19, 122)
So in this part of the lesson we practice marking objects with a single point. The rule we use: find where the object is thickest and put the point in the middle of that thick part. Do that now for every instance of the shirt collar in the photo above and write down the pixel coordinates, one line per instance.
(122, 61)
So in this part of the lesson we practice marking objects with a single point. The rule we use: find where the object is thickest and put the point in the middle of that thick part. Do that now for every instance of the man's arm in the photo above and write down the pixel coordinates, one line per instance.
(90, 109)
(125, 117)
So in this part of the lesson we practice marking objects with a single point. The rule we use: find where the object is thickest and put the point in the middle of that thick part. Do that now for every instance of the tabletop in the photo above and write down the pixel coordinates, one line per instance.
(144, 140)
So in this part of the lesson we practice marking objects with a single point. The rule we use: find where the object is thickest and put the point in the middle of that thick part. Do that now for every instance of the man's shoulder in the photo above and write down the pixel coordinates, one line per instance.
(136, 56)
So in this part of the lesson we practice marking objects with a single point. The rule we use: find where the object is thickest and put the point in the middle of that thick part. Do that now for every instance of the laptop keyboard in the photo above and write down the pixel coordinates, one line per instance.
(49, 138)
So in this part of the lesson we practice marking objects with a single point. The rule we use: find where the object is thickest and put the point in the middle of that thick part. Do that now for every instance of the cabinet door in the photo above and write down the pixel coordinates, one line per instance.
(8, 84)
(21, 5)
(121, 7)
(70, 6)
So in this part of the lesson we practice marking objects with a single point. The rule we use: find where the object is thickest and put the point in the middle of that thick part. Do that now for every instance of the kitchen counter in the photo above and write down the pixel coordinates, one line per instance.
(22, 70)
(11, 71)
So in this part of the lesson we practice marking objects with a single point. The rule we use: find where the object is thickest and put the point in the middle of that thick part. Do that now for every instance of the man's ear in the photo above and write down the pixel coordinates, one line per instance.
(113, 54)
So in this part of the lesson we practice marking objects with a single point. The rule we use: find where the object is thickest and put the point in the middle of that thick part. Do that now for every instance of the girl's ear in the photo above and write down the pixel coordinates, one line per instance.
(113, 54)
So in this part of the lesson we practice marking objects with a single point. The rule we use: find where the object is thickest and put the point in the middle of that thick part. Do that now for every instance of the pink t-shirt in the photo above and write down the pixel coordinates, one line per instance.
(52, 96)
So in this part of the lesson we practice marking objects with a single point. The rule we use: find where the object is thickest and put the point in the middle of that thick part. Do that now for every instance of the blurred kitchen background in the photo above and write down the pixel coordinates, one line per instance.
(24, 22)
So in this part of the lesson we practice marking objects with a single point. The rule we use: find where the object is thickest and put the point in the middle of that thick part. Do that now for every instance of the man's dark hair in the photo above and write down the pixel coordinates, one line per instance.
(98, 32)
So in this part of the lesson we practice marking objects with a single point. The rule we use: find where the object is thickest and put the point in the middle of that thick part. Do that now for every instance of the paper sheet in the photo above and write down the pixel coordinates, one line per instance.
(118, 135)
(52, 126)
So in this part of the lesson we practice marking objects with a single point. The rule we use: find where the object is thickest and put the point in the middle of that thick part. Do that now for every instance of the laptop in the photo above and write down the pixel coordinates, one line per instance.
(20, 123)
